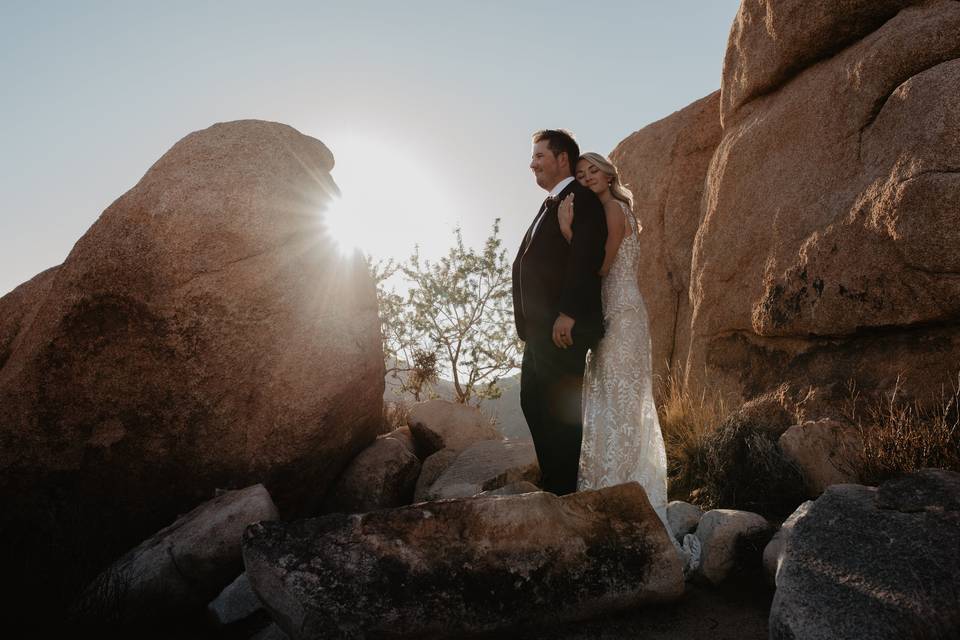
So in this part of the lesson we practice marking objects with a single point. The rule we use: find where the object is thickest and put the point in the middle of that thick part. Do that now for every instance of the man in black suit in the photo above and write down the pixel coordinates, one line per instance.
(556, 305)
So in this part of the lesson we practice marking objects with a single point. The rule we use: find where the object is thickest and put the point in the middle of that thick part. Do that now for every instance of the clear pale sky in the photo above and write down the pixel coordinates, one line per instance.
(433, 100)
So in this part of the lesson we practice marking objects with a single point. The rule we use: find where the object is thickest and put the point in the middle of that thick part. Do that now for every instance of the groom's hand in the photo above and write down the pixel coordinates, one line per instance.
(563, 331)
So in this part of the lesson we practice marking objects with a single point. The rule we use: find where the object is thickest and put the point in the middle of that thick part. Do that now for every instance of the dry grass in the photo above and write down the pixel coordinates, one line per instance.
(395, 415)
(686, 420)
(899, 436)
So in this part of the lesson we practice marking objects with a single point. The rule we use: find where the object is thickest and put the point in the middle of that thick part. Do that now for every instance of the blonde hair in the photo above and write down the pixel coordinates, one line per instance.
(617, 189)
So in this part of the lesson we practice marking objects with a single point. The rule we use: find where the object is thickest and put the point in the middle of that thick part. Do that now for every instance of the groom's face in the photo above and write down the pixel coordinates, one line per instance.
(545, 165)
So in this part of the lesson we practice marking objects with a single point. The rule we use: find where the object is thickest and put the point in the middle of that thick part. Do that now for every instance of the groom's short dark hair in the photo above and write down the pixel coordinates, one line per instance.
(558, 141)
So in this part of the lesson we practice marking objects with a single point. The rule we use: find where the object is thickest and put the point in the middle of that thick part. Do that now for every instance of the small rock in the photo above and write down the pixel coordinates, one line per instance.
(824, 451)
(382, 476)
(235, 603)
(730, 539)
(773, 553)
(404, 436)
(439, 424)
(432, 467)
(683, 518)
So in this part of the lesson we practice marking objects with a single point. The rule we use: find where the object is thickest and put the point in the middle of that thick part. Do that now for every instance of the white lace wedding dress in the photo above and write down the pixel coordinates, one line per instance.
(622, 441)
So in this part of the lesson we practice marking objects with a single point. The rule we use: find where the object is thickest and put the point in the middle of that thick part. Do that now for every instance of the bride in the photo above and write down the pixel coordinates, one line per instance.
(622, 441)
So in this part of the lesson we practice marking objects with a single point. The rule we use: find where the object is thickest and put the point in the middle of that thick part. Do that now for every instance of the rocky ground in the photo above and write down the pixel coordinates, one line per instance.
(732, 612)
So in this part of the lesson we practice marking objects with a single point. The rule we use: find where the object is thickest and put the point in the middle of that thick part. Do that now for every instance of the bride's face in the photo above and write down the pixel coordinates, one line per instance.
(590, 176)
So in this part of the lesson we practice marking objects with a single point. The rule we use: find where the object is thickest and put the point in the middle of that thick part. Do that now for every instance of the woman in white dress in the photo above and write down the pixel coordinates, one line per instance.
(621, 433)
(622, 441)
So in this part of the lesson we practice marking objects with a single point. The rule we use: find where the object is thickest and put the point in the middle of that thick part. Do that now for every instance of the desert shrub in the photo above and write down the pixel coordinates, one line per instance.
(744, 465)
(898, 435)
(686, 421)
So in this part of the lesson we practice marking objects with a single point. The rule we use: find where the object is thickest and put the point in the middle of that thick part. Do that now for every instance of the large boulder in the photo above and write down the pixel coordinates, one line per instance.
(461, 566)
(869, 563)
(179, 569)
(665, 165)
(203, 333)
(827, 248)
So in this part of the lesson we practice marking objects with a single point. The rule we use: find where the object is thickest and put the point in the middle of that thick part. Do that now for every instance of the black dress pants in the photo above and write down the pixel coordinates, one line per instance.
(551, 389)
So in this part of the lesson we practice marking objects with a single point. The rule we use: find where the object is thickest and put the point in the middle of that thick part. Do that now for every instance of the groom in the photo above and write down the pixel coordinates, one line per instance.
(556, 306)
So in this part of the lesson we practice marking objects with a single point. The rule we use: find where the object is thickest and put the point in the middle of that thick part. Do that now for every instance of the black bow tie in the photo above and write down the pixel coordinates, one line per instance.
(549, 200)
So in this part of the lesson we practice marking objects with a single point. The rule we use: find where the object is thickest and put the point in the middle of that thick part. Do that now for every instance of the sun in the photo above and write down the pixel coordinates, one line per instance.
(392, 199)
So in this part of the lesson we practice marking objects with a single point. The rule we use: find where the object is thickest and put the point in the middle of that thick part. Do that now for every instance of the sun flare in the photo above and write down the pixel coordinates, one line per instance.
(391, 200)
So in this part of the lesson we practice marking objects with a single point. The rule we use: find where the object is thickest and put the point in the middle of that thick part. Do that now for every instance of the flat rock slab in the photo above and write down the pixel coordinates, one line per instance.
(873, 564)
(440, 424)
(483, 466)
(451, 567)
(179, 569)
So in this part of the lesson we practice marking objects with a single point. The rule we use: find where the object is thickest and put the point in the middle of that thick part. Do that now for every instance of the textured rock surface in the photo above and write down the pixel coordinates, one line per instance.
(730, 540)
(178, 570)
(773, 40)
(858, 566)
(453, 567)
(665, 165)
(826, 252)
(440, 424)
(512, 489)
(236, 603)
(381, 476)
(432, 467)
(201, 334)
(824, 451)
(683, 518)
(486, 465)
(773, 553)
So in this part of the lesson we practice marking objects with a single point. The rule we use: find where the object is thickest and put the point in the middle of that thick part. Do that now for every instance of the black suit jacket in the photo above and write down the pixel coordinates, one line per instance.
(551, 276)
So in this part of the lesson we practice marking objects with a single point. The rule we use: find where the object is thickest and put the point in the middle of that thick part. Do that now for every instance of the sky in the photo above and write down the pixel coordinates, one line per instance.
(427, 106)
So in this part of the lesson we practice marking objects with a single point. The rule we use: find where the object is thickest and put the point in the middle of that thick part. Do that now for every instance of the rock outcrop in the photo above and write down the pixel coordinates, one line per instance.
(873, 563)
(665, 165)
(203, 333)
(826, 252)
(460, 566)
(810, 239)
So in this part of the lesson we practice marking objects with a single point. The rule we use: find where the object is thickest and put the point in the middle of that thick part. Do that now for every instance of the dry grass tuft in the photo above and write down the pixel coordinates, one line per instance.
(395, 415)
(686, 421)
(899, 436)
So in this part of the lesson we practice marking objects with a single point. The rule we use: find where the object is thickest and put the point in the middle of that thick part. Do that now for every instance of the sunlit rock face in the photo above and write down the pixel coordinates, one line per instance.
(202, 334)
(665, 165)
(827, 251)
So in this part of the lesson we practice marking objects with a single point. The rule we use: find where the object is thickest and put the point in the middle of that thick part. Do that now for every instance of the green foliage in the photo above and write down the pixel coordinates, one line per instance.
(456, 317)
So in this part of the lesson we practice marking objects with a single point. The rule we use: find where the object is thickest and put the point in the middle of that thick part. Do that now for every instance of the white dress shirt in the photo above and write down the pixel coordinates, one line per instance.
(560, 186)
